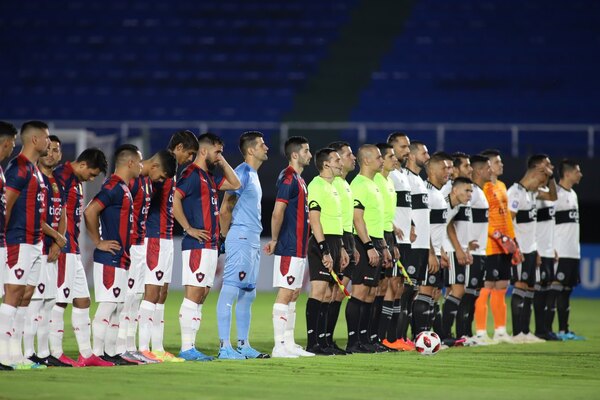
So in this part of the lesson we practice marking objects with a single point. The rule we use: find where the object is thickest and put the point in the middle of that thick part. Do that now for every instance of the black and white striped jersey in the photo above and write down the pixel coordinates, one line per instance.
(522, 202)
(402, 217)
(544, 230)
(419, 214)
(566, 230)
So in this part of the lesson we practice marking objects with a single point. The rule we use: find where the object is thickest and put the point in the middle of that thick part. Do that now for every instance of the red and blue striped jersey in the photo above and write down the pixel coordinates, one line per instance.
(141, 192)
(200, 201)
(293, 235)
(116, 221)
(2, 208)
(28, 212)
(54, 209)
(160, 215)
(72, 198)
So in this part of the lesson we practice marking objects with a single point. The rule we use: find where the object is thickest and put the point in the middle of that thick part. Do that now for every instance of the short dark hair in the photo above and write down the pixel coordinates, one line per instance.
(322, 156)
(125, 150)
(489, 153)
(54, 138)
(395, 135)
(167, 162)
(33, 125)
(247, 140)
(94, 158)
(565, 165)
(414, 145)
(383, 147)
(478, 159)
(210, 138)
(7, 129)
(440, 156)
(535, 160)
(186, 138)
(338, 145)
(457, 158)
(293, 145)
(461, 180)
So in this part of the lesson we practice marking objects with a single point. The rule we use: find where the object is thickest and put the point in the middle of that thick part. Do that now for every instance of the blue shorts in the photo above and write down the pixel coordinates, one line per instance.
(242, 261)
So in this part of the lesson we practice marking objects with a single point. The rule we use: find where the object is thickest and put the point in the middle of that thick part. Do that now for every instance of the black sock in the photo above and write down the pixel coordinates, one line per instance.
(366, 312)
(526, 316)
(353, 309)
(539, 310)
(451, 306)
(462, 316)
(563, 307)
(551, 305)
(516, 305)
(421, 314)
(375, 314)
(437, 320)
(332, 318)
(406, 306)
(469, 326)
(392, 330)
(322, 325)
(313, 307)
(385, 319)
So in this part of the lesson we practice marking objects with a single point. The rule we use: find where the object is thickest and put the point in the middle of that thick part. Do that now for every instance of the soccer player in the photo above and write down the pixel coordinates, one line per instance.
(405, 234)
(159, 253)
(8, 136)
(390, 279)
(108, 219)
(566, 240)
(25, 211)
(196, 208)
(158, 168)
(498, 261)
(326, 253)
(369, 226)
(71, 283)
(522, 206)
(289, 240)
(241, 225)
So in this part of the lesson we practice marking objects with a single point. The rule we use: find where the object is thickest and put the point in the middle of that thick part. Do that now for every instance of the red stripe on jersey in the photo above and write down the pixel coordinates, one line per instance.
(125, 231)
(30, 220)
(195, 258)
(152, 253)
(206, 201)
(284, 265)
(108, 276)
(12, 254)
(62, 268)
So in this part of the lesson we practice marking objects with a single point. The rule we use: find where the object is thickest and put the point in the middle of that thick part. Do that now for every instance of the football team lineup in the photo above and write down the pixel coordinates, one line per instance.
(413, 260)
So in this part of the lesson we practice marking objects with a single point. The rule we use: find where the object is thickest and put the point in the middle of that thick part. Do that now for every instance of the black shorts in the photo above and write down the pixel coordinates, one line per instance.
(436, 280)
(390, 240)
(318, 272)
(365, 274)
(567, 272)
(525, 272)
(545, 273)
(416, 264)
(348, 239)
(455, 273)
(475, 273)
(497, 267)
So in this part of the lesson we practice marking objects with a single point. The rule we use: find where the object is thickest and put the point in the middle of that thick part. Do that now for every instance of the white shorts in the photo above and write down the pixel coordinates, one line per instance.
(137, 269)
(71, 280)
(23, 264)
(159, 261)
(288, 272)
(110, 283)
(2, 268)
(199, 267)
(46, 287)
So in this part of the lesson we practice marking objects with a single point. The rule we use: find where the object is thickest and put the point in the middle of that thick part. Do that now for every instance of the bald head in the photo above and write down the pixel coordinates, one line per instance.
(366, 153)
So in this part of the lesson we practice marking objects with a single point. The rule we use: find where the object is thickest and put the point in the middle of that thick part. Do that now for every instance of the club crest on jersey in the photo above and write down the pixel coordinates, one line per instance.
(290, 279)
(41, 287)
(242, 275)
(130, 282)
(116, 292)
(19, 273)
(66, 292)
(159, 275)
(200, 277)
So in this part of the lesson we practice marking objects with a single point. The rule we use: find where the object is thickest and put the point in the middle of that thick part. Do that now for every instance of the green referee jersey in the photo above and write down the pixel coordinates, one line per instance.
(369, 198)
(386, 187)
(343, 189)
(323, 197)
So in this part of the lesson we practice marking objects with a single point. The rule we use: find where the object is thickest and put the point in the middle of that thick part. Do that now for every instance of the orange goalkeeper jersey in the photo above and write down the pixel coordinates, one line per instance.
(499, 215)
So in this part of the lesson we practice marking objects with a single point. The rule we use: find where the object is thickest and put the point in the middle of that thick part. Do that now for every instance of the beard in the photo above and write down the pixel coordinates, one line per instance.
(210, 165)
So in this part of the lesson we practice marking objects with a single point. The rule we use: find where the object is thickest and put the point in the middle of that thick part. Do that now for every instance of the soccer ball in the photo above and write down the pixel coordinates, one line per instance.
(428, 343)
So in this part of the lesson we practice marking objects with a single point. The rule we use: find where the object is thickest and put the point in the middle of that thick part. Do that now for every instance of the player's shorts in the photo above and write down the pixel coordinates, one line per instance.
(288, 272)
(435, 280)
(137, 269)
(159, 261)
(544, 275)
(71, 280)
(3, 267)
(242, 263)
(317, 271)
(497, 267)
(199, 267)
(475, 273)
(416, 264)
(46, 287)
(348, 239)
(455, 274)
(23, 264)
(567, 272)
(390, 240)
(110, 283)
(525, 272)
(364, 273)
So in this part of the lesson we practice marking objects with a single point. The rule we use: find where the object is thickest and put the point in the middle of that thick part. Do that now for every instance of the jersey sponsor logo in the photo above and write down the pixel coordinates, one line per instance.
(525, 216)
(290, 279)
(567, 216)
(242, 275)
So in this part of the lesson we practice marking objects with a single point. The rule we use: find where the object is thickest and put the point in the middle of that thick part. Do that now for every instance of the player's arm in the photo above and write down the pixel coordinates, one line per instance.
(54, 250)
(314, 218)
(461, 256)
(225, 214)
(276, 222)
(91, 216)
(551, 194)
(11, 198)
(59, 239)
(188, 229)
(433, 264)
(363, 235)
(231, 181)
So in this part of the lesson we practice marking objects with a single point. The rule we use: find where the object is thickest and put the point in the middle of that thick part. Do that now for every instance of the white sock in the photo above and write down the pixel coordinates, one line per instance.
(112, 333)
(124, 324)
(15, 349)
(280, 312)
(132, 322)
(43, 330)
(80, 319)
(291, 324)
(197, 321)
(188, 319)
(57, 330)
(145, 324)
(158, 328)
(30, 326)
(100, 325)
(7, 316)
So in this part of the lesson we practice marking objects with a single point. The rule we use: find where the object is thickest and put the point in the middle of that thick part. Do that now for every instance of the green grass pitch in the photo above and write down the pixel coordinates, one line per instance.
(532, 371)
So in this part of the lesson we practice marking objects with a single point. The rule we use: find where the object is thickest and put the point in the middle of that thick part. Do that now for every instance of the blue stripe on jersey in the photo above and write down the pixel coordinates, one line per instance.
(141, 192)
(54, 209)
(2, 208)
(72, 197)
(293, 235)
(160, 215)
